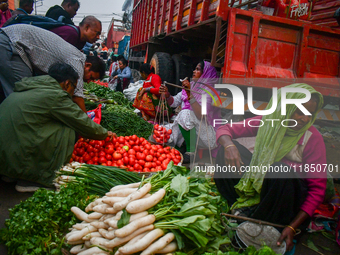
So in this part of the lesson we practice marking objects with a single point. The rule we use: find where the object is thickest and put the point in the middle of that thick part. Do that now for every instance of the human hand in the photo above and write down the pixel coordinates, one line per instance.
(111, 135)
(186, 85)
(232, 156)
(115, 77)
(164, 89)
(288, 236)
(141, 93)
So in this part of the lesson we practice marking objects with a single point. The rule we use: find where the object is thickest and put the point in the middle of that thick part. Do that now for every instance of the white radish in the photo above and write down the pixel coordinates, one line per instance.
(99, 224)
(94, 203)
(121, 192)
(112, 200)
(133, 217)
(81, 215)
(95, 215)
(79, 234)
(80, 226)
(92, 251)
(145, 203)
(89, 236)
(159, 244)
(70, 233)
(87, 244)
(133, 240)
(107, 216)
(78, 248)
(101, 208)
(131, 185)
(146, 196)
(171, 247)
(107, 234)
(110, 210)
(143, 243)
(99, 241)
(132, 197)
(118, 215)
(134, 225)
(118, 241)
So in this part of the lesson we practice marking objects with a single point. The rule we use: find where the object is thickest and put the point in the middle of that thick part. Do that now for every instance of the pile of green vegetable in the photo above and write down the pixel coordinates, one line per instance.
(98, 179)
(106, 95)
(125, 122)
(37, 225)
(265, 250)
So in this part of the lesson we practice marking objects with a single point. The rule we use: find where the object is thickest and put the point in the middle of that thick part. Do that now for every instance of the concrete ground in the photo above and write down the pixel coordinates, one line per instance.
(9, 197)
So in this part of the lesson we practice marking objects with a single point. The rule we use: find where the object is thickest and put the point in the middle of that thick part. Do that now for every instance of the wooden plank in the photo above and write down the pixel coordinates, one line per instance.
(217, 41)
(180, 15)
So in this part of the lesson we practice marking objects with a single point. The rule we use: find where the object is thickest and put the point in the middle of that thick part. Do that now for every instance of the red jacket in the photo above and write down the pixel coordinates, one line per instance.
(153, 81)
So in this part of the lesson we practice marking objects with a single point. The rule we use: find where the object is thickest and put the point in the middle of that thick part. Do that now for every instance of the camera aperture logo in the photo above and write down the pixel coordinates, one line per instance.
(239, 102)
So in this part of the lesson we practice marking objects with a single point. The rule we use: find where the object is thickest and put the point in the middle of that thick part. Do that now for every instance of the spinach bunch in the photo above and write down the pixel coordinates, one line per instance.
(37, 225)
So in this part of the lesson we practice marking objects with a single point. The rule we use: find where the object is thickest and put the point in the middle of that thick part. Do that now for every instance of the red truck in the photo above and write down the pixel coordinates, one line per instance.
(174, 34)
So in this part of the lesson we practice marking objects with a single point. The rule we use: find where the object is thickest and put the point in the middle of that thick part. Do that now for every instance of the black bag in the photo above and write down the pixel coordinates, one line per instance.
(38, 21)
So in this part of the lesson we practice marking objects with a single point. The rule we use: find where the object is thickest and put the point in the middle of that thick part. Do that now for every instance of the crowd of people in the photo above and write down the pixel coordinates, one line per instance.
(42, 109)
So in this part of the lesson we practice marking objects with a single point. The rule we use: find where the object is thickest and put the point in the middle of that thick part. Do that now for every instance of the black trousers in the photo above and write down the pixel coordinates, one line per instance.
(281, 198)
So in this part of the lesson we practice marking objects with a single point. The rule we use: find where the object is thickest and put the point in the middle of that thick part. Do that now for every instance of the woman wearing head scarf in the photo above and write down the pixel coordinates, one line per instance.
(284, 198)
(188, 122)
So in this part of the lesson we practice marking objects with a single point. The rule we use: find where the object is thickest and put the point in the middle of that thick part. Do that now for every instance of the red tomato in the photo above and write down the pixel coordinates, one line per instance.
(120, 162)
(179, 157)
(86, 157)
(95, 159)
(140, 156)
(89, 148)
(158, 163)
(91, 154)
(109, 163)
(153, 169)
(148, 165)
(176, 152)
(146, 169)
(90, 162)
(169, 132)
(159, 168)
(126, 160)
(141, 162)
(101, 143)
(107, 139)
(131, 152)
(136, 148)
(73, 155)
(121, 139)
(104, 164)
(131, 143)
(152, 152)
(161, 158)
(102, 160)
(127, 138)
(160, 151)
(92, 142)
(155, 137)
(153, 164)
(81, 160)
(80, 151)
(125, 154)
(156, 126)
(136, 167)
(149, 158)
(95, 150)
(109, 149)
(108, 156)
(117, 155)
(102, 154)
(132, 161)
(134, 137)
(114, 164)
(147, 146)
(176, 161)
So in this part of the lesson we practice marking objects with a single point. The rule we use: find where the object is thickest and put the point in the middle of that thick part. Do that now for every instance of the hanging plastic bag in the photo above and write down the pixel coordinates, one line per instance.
(113, 84)
(96, 114)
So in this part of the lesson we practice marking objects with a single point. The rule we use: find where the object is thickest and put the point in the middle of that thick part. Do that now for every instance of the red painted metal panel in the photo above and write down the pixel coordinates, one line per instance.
(163, 16)
(157, 17)
(323, 12)
(192, 12)
(180, 15)
(152, 19)
(171, 16)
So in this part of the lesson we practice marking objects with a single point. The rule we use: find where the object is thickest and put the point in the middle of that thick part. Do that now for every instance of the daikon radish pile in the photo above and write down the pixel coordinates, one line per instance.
(163, 214)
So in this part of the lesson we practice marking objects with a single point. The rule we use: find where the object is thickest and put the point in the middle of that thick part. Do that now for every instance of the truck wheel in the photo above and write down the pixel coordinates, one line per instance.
(182, 68)
(163, 65)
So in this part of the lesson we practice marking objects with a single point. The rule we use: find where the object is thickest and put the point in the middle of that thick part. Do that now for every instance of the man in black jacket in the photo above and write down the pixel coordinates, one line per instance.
(65, 12)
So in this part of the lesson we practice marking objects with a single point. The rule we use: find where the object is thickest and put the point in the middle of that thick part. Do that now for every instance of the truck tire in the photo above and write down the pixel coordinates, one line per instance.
(163, 65)
(182, 68)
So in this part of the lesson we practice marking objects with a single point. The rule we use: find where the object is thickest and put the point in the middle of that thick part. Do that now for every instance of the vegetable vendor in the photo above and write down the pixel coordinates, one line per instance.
(38, 124)
(187, 123)
(26, 51)
(147, 98)
(123, 75)
(282, 196)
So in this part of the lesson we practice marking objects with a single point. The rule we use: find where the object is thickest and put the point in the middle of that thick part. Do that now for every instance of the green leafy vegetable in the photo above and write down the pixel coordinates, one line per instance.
(124, 219)
(37, 225)
(180, 184)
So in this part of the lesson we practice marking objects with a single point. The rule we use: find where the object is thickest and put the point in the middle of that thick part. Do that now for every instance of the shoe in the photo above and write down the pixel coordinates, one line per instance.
(26, 186)
(8, 179)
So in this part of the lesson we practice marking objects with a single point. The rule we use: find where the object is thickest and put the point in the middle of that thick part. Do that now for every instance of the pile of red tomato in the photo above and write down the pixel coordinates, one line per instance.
(130, 152)
(105, 84)
(161, 134)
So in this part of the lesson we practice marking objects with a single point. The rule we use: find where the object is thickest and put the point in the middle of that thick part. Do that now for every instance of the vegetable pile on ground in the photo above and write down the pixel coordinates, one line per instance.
(130, 152)
(98, 179)
(166, 212)
(37, 225)
(105, 95)
(105, 84)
